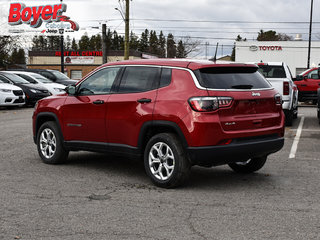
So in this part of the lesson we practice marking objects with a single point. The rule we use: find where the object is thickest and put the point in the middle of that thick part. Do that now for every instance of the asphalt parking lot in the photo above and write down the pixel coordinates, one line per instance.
(95, 196)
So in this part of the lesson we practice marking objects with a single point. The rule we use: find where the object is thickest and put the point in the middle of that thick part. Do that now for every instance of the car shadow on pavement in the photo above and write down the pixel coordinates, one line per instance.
(222, 177)
(132, 170)
(106, 163)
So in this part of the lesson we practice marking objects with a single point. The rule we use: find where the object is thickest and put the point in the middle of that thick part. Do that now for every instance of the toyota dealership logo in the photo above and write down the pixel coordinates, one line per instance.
(253, 48)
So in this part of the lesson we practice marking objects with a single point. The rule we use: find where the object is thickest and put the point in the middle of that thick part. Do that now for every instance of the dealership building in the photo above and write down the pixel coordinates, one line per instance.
(293, 53)
(77, 64)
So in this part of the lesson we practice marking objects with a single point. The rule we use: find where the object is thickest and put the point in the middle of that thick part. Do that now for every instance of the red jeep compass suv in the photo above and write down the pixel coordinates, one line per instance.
(173, 113)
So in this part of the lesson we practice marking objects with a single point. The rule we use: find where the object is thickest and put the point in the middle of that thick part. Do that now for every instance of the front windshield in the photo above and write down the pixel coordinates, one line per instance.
(41, 78)
(59, 75)
(16, 79)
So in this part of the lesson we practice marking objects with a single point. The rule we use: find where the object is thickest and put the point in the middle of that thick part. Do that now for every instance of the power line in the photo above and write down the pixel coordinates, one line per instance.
(202, 21)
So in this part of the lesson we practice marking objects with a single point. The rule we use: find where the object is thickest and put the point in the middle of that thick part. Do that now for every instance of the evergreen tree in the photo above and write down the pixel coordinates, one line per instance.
(171, 46)
(267, 36)
(272, 36)
(84, 43)
(74, 45)
(133, 41)
(153, 43)
(181, 52)
(144, 41)
(53, 43)
(98, 43)
(109, 40)
(43, 43)
(162, 45)
(115, 41)
(21, 57)
(13, 56)
(92, 44)
(35, 43)
(18, 56)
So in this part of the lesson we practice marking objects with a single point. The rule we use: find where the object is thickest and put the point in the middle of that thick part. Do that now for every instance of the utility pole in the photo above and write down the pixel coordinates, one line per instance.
(104, 44)
(126, 37)
(310, 30)
(62, 50)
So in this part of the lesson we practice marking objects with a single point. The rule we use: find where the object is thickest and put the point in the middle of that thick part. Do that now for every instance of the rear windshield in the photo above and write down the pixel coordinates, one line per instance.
(41, 78)
(231, 78)
(272, 71)
(59, 75)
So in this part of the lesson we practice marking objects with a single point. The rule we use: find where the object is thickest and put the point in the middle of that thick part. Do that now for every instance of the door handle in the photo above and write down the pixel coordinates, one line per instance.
(303, 85)
(144, 100)
(97, 102)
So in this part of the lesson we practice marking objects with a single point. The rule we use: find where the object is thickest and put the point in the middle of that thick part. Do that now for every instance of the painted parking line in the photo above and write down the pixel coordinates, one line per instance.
(296, 139)
(304, 130)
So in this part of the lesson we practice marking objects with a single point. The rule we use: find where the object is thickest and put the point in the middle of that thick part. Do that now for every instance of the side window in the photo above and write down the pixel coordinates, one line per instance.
(29, 79)
(313, 75)
(4, 80)
(139, 79)
(99, 83)
(47, 75)
(165, 79)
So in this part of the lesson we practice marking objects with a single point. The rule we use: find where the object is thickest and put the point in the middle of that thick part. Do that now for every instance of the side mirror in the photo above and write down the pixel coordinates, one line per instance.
(299, 78)
(318, 72)
(71, 89)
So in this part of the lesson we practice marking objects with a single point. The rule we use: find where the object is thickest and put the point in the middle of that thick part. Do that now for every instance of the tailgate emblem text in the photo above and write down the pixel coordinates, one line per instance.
(256, 94)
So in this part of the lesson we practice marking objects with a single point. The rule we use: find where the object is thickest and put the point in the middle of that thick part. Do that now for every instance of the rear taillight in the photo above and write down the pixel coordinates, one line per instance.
(209, 104)
(285, 88)
(278, 99)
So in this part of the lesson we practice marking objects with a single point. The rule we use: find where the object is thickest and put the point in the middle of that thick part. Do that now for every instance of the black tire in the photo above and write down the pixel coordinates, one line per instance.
(295, 113)
(289, 117)
(252, 165)
(180, 166)
(58, 153)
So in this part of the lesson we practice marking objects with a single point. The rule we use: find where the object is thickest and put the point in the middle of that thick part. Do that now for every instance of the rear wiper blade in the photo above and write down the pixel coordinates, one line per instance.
(242, 86)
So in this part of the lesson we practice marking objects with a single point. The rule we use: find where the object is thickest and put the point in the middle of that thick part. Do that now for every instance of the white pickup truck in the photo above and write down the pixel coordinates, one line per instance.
(279, 75)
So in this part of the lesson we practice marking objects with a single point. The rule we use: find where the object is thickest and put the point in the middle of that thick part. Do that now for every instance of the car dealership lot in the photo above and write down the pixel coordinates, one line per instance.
(95, 196)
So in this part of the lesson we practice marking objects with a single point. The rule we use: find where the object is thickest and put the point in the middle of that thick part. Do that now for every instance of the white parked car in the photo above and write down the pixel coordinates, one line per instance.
(54, 88)
(11, 95)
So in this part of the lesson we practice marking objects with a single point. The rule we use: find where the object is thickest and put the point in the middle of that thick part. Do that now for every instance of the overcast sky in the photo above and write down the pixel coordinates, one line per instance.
(206, 18)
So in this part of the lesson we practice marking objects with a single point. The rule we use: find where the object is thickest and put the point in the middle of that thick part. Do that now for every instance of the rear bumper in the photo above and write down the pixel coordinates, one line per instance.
(234, 152)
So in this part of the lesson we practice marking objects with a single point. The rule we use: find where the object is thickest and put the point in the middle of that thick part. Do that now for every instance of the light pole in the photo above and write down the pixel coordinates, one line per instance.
(62, 50)
(126, 36)
(310, 30)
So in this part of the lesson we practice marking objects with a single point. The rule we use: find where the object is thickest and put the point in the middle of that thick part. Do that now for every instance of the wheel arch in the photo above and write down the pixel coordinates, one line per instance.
(46, 117)
(152, 128)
